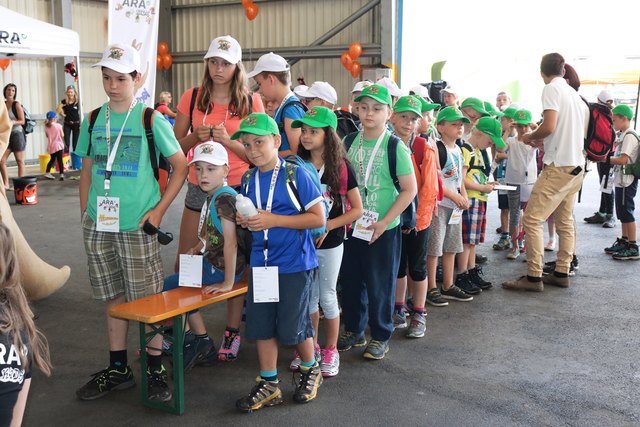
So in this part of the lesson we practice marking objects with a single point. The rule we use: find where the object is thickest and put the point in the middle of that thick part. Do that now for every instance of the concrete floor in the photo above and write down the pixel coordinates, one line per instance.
(561, 357)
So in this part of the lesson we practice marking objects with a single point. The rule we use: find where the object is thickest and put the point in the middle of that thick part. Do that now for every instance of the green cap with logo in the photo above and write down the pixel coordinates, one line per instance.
(491, 109)
(426, 105)
(377, 92)
(451, 114)
(476, 104)
(510, 112)
(317, 117)
(522, 117)
(257, 124)
(408, 103)
(623, 110)
(491, 127)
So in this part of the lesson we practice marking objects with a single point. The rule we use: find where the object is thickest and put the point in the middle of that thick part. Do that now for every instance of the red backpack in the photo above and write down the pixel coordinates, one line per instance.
(598, 142)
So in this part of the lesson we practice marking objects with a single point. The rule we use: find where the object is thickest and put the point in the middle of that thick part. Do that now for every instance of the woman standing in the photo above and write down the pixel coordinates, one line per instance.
(17, 141)
(69, 108)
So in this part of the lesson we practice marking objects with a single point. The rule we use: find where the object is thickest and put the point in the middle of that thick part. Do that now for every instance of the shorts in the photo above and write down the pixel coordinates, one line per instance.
(413, 255)
(474, 222)
(625, 206)
(126, 263)
(288, 320)
(17, 141)
(210, 276)
(444, 237)
(195, 197)
(503, 201)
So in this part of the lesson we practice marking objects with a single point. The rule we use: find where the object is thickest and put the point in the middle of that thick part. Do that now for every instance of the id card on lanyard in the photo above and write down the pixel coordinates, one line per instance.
(365, 174)
(265, 279)
(108, 207)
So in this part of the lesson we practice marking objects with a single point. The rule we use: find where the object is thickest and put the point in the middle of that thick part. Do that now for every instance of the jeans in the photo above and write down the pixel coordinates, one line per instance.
(323, 288)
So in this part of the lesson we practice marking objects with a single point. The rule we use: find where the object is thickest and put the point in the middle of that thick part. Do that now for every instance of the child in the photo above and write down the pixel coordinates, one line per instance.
(118, 194)
(626, 185)
(521, 173)
(320, 144)
(500, 167)
(54, 133)
(445, 236)
(273, 75)
(224, 260)
(474, 218)
(321, 94)
(407, 113)
(369, 268)
(22, 344)
(283, 260)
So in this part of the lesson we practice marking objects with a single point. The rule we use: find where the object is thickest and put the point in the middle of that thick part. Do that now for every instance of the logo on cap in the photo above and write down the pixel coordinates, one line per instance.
(373, 89)
(250, 121)
(522, 115)
(224, 45)
(116, 53)
(412, 102)
(207, 149)
(312, 113)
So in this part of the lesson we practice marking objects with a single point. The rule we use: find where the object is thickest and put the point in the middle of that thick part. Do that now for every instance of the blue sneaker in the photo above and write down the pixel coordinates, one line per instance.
(349, 339)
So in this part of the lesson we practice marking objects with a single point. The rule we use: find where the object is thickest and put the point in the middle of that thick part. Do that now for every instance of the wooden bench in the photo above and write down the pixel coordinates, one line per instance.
(175, 304)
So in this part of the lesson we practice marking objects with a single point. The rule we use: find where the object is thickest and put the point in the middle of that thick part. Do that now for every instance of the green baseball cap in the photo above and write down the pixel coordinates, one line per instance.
(408, 104)
(317, 117)
(510, 112)
(476, 104)
(376, 92)
(426, 105)
(491, 127)
(491, 109)
(451, 114)
(257, 124)
(522, 117)
(623, 110)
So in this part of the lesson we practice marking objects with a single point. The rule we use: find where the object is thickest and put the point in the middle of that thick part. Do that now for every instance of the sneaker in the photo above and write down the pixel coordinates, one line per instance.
(513, 253)
(61, 177)
(503, 243)
(229, 347)
(475, 277)
(196, 351)
(550, 267)
(596, 218)
(574, 264)
(521, 246)
(523, 284)
(376, 350)
(399, 319)
(106, 380)
(349, 339)
(308, 385)
(434, 298)
(418, 325)
(49, 176)
(550, 246)
(464, 282)
(330, 365)
(609, 222)
(158, 389)
(456, 294)
(265, 393)
(295, 363)
(481, 259)
(617, 246)
(629, 253)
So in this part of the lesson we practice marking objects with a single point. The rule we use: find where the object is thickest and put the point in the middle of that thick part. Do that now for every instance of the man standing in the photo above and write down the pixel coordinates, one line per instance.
(563, 129)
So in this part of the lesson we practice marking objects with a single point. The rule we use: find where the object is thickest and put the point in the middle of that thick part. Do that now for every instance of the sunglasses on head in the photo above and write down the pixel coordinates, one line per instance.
(163, 238)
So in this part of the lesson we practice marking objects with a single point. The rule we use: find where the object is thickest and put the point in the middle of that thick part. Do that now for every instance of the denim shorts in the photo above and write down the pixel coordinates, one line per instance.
(287, 320)
(210, 276)
(625, 205)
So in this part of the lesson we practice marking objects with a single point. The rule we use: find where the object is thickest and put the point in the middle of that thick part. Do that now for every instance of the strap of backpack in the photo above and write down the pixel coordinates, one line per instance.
(348, 140)
(392, 156)
(147, 121)
(290, 178)
(225, 189)
(418, 150)
(284, 107)
(442, 153)
(14, 108)
(192, 104)
(93, 116)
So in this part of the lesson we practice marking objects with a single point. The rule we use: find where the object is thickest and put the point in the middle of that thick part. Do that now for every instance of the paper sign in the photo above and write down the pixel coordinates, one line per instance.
(266, 287)
(456, 216)
(505, 187)
(108, 215)
(360, 230)
(190, 274)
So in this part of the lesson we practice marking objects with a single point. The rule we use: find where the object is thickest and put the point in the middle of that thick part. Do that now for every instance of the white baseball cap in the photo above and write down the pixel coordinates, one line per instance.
(121, 58)
(225, 47)
(605, 95)
(361, 85)
(450, 89)
(269, 62)
(299, 90)
(322, 90)
(391, 86)
(420, 91)
(210, 152)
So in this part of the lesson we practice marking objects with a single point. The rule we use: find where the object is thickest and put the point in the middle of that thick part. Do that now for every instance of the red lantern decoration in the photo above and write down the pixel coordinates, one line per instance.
(355, 50)
(251, 11)
(4, 64)
(163, 48)
(355, 69)
(167, 61)
(346, 60)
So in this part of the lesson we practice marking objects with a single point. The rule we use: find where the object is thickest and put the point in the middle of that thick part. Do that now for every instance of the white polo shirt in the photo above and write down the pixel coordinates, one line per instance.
(564, 147)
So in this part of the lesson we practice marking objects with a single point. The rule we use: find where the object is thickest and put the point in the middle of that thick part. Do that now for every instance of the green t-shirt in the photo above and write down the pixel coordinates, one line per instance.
(381, 193)
(132, 178)
(475, 175)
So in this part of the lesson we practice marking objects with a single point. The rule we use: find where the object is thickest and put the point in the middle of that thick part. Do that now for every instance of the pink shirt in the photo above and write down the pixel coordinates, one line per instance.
(54, 135)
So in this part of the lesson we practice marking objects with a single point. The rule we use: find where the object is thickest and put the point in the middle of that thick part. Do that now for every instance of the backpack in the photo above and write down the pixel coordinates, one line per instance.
(435, 90)
(160, 165)
(633, 168)
(347, 123)
(598, 142)
(244, 235)
(29, 124)
(288, 104)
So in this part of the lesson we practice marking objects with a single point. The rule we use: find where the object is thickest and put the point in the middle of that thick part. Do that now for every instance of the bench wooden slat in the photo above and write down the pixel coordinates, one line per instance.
(172, 303)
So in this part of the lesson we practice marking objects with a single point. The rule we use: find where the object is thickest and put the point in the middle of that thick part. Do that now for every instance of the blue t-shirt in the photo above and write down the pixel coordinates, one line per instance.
(292, 251)
(293, 112)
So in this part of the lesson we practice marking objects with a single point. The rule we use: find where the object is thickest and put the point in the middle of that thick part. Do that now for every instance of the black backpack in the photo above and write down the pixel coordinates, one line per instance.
(435, 90)
(347, 123)
(29, 124)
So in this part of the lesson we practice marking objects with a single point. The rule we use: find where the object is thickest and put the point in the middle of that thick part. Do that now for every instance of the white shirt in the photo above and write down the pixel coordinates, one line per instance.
(628, 144)
(564, 147)
(521, 166)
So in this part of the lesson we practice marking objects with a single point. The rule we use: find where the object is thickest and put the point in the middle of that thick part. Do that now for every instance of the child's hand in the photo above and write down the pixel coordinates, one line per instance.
(242, 220)
(262, 221)
(220, 135)
(378, 228)
(488, 187)
(155, 218)
(217, 288)
(320, 239)
(204, 133)
(461, 201)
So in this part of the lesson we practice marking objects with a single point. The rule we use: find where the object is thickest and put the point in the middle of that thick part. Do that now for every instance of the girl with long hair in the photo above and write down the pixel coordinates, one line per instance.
(69, 108)
(17, 140)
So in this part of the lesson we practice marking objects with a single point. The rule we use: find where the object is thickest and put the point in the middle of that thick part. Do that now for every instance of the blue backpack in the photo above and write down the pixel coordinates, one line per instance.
(213, 212)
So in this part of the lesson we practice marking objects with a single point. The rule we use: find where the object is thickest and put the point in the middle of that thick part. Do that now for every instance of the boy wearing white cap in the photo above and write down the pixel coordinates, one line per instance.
(355, 92)
(272, 73)
(118, 194)
(450, 97)
(321, 94)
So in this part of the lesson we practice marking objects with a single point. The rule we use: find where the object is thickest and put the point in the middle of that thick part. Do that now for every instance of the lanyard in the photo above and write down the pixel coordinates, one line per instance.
(284, 101)
(111, 154)
(363, 174)
(203, 218)
(272, 186)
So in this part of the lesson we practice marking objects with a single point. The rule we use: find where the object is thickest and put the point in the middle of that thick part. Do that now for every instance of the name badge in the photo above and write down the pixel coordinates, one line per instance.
(266, 287)
(456, 216)
(360, 230)
(606, 185)
(190, 274)
(108, 216)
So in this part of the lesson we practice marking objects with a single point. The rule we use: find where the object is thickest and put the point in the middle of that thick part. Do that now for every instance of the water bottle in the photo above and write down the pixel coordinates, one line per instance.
(245, 207)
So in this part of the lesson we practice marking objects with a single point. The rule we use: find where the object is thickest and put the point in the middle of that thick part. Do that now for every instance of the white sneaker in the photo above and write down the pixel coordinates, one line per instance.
(513, 254)
(49, 176)
(330, 365)
(550, 246)
(295, 363)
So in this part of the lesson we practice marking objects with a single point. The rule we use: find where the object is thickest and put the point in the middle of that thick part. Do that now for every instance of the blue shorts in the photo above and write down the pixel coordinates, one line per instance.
(287, 320)
(210, 276)
(625, 205)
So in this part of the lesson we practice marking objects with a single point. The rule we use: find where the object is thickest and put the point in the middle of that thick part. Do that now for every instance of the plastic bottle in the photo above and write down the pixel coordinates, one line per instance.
(245, 207)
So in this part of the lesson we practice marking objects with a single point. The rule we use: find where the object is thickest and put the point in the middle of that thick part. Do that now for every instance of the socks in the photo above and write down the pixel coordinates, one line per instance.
(534, 279)
(232, 332)
(118, 359)
(154, 362)
(202, 336)
(420, 310)
(305, 366)
(562, 275)
(271, 376)
(399, 306)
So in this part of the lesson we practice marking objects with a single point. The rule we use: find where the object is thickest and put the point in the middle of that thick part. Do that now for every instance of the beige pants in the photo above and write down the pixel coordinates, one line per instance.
(554, 193)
